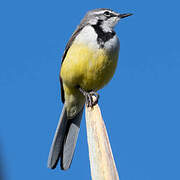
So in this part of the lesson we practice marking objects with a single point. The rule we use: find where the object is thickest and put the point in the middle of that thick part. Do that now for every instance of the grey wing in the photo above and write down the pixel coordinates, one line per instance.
(76, 32)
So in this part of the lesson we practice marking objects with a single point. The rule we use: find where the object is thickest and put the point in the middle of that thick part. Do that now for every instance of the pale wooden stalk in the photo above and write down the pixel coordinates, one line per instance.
(101, 158)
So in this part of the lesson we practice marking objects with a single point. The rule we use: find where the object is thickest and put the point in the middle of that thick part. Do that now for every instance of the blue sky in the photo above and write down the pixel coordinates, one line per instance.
(140, 106)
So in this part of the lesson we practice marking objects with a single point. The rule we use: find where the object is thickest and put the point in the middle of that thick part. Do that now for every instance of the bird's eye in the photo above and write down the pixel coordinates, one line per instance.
(107, 13)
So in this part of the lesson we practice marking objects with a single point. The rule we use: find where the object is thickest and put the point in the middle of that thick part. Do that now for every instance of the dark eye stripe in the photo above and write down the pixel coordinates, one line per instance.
(109, 14)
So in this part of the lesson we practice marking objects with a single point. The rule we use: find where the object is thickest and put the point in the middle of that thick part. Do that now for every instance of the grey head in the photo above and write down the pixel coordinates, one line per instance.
(106, 18)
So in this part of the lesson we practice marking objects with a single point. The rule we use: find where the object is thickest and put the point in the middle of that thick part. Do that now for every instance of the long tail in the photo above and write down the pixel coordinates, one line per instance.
(64, 141)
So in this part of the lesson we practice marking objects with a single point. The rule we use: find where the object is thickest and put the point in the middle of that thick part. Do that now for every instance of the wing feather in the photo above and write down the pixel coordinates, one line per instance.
(74, 35)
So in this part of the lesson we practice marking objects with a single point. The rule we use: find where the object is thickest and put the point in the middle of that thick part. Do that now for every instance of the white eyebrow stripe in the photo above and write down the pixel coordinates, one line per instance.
(100, 12)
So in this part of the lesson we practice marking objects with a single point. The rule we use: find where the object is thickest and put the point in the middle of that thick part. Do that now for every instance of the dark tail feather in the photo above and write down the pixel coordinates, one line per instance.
(64, 141)
(57, 144)
(70, 140)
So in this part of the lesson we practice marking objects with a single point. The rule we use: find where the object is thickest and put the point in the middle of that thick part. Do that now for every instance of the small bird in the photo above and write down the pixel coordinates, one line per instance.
(88, 63)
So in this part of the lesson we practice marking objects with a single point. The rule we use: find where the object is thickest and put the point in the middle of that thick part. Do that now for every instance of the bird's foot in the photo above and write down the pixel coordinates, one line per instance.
(90, 102)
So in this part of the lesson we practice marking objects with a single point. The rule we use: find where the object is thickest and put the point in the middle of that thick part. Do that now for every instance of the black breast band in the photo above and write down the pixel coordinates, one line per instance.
(102, 36)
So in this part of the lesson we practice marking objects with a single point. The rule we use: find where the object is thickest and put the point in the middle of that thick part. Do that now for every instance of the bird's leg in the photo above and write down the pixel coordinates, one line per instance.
(88, 96)
(93, 93)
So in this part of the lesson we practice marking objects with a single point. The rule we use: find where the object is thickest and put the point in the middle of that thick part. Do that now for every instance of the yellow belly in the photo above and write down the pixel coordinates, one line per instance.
(88, 68)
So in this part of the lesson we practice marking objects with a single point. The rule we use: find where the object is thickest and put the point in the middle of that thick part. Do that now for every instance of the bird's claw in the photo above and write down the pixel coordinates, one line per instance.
(90, 102)
(94, 101)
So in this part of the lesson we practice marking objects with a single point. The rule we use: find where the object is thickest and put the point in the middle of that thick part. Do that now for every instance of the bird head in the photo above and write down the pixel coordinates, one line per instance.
(106, 18)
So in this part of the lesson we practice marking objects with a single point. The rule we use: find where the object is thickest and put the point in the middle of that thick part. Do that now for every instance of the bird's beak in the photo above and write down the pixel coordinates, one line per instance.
(124, 15)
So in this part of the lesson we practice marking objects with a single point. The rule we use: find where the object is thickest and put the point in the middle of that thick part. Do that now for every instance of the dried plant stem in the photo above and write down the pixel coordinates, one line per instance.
(101, 158)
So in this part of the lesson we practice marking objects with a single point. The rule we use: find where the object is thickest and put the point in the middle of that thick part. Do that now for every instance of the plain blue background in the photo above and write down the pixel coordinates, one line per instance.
(140, 106)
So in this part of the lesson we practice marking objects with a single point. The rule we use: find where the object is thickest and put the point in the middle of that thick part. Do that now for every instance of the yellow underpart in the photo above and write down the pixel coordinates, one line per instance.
(88, 68)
